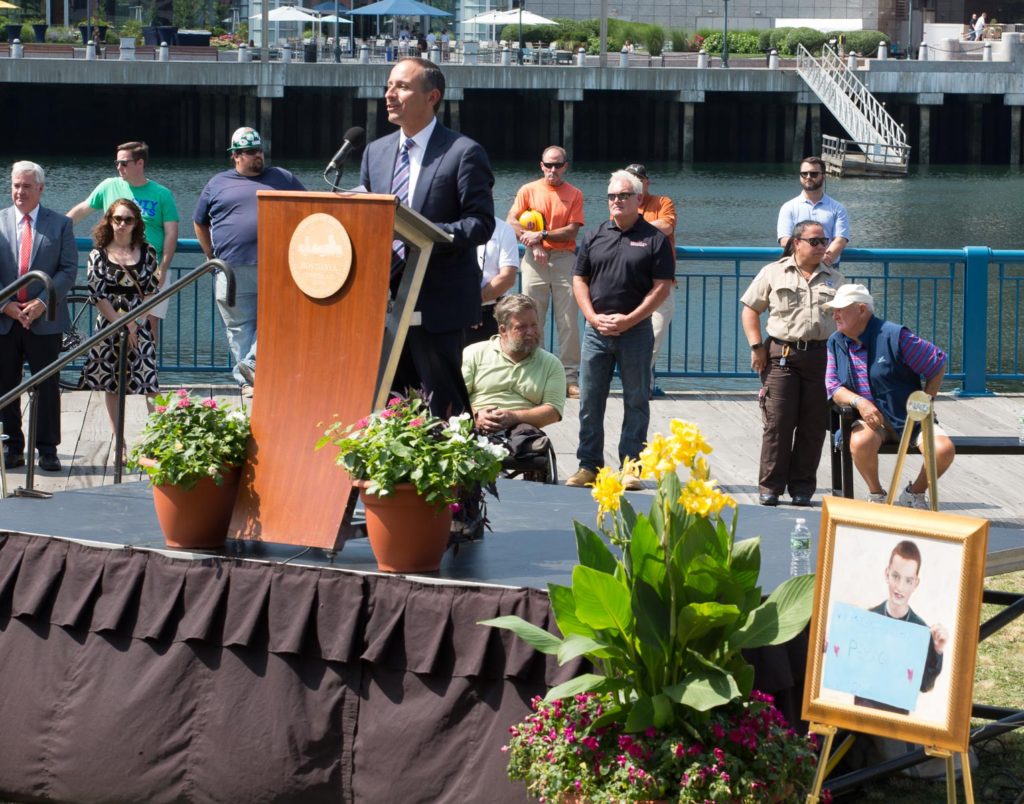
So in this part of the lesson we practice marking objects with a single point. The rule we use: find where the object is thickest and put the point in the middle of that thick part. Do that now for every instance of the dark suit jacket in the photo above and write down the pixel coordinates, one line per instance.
(53, 253)
(454, 191)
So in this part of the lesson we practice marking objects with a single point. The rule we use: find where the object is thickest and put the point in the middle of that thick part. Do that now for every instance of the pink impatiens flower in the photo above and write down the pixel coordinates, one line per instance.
(184, 402)
(210, 403)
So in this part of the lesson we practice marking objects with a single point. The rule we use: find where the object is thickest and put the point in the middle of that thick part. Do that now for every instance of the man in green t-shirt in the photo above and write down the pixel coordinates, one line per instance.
(159, 212)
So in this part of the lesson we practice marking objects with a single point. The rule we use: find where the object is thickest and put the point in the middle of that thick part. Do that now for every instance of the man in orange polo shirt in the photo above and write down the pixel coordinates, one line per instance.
(550, 255)
(660, 212)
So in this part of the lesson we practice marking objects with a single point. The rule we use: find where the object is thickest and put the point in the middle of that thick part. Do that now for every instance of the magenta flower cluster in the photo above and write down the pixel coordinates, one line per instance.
(744, 752)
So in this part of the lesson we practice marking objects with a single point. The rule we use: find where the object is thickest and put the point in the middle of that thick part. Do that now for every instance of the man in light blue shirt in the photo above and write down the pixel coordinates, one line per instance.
(814, 205)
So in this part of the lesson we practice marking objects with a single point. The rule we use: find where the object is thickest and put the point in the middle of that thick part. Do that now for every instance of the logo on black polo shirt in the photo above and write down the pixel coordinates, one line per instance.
(639, 243)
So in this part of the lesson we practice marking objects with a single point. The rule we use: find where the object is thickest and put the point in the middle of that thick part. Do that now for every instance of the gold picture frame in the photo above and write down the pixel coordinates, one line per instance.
(859, 670)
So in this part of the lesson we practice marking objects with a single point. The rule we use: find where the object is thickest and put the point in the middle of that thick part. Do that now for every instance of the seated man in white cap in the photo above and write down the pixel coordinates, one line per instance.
(225, 224)
(874, 366)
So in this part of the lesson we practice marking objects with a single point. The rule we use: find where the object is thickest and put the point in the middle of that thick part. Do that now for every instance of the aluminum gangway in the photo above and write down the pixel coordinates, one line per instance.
(882, 140)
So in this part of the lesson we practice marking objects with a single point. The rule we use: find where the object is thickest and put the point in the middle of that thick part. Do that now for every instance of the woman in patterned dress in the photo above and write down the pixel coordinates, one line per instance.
(122, 273)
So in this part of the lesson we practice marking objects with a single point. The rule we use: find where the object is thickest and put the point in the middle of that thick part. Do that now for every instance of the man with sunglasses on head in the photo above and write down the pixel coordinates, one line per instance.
(549, 258)
(623, 272)
(795, 291)
(814, 204)
(159, 212)
(225, 225)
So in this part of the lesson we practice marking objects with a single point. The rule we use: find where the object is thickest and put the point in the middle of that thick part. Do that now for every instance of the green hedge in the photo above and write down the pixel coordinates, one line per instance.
(786, 40)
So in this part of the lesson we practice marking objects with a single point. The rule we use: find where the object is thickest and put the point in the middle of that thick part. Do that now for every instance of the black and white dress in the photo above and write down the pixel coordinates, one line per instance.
(125, 287)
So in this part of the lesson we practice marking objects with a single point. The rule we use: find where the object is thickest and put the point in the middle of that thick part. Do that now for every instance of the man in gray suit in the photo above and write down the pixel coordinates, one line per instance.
(447, 178)
(33, 238)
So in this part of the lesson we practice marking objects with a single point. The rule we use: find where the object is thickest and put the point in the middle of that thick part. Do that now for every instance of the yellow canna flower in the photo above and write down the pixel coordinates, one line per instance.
(607, 491)
(687, 442)
(656, 459)
(701, 470)
(701, 497)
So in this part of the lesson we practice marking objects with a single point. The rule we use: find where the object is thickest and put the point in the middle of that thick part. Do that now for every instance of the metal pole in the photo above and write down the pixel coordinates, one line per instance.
(337, 33)
(522, 45)
(725, 35)
(122, 381)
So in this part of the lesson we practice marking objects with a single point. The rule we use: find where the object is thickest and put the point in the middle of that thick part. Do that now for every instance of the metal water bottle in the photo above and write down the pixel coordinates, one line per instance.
(799, 549)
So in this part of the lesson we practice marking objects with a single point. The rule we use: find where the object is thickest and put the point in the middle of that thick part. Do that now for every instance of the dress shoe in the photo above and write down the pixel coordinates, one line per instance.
(582, 477)
(803, 500)
(572, 390)
(12, 460)
(768, 499)
(49, 463)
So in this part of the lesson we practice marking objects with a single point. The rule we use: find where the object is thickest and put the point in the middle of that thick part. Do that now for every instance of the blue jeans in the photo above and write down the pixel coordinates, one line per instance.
(240, 320)
(631, 352)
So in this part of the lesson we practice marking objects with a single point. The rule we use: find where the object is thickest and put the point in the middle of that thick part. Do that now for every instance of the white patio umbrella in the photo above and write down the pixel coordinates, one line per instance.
(511, 17)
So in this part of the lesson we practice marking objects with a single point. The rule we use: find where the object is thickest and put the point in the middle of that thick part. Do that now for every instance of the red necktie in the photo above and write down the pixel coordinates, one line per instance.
(25, 256)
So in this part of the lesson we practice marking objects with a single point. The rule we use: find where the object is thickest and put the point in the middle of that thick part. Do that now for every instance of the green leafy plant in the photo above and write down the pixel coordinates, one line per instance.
(187, 439)
(131, 28)
(744, 753)
(664, 623)
(404, 443)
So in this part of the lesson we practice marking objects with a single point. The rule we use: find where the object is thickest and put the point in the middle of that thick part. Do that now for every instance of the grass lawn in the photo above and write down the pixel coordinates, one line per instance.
(998, 681)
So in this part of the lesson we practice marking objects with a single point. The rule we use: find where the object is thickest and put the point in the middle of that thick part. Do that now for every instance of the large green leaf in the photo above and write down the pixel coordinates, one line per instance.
(528, 632)
(704, 689)
(646, 553)
(708, 616)
(649, 711)
(780, 618)
(574, 646)
(588, 682)
(652, 617)
(592, 550)
(563, 604)
(746, 561)
(602, 601)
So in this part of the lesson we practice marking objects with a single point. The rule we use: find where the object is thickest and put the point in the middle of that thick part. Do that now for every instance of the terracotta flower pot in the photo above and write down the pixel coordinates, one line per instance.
(406, 534)
(197, 518)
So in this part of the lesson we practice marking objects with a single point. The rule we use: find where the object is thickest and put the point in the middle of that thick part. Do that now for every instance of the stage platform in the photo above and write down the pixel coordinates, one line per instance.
(135, 673)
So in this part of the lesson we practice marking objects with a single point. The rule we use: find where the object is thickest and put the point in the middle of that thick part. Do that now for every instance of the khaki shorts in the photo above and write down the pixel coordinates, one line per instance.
(889, 435)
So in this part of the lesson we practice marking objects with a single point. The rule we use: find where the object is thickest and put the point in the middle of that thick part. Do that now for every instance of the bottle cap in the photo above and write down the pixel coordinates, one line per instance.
(801, 521)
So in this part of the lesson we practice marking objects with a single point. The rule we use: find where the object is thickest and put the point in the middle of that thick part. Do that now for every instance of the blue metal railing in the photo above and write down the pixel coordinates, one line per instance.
(969, 301)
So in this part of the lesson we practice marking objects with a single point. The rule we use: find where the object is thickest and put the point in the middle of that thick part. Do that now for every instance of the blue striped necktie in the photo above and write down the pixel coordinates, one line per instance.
(400, 188)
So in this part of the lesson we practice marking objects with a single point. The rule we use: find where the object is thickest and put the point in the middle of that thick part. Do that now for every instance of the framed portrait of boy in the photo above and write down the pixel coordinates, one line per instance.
(894, 629)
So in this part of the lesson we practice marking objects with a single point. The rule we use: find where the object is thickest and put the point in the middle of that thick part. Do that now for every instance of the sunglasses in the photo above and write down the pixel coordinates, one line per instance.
(620, 196)
(553, 165)
(809, 174)
(123, 162)
(815, 241)
(121, 221)
(249, 151)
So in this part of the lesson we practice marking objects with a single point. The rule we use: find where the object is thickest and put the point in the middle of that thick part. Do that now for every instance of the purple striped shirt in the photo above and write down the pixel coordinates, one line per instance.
(921, 356)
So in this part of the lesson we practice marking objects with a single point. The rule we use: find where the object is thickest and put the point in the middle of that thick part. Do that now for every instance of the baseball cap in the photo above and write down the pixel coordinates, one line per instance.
(637, 170)
(245, 137)
(850, 294)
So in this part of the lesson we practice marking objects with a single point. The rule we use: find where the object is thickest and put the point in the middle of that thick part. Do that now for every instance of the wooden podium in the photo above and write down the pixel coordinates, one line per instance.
(327, 349)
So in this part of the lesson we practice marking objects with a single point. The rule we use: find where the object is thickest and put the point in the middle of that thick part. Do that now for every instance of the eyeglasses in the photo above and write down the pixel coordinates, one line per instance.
(124, 162)
(249, 151)
(553, 165)
(121, 221)
(816, 241)
(809, 174)
(620, 196)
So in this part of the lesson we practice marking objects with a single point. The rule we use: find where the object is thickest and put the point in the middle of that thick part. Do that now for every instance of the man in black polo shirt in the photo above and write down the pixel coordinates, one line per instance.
(624, 270)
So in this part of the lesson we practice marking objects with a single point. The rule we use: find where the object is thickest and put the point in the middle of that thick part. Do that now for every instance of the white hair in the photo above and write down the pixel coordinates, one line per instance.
(625, 176)
(28, 167)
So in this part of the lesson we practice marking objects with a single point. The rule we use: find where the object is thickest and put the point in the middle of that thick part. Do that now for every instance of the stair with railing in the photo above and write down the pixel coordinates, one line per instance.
(882, 140)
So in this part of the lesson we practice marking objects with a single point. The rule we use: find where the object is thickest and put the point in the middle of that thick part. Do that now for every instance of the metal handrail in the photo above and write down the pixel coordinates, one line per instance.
(116, 328)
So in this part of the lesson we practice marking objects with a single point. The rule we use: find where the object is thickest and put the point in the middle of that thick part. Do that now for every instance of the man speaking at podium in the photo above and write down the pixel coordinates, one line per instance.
(447, 178)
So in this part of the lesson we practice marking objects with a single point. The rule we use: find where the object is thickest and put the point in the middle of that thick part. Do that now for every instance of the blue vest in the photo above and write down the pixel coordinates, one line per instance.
(890, 379)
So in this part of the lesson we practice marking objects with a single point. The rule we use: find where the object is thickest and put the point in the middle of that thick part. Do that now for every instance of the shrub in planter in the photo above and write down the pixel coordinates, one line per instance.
(863, 42)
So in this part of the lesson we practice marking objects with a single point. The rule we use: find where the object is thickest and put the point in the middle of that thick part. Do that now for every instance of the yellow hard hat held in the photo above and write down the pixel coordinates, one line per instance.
(532, 221)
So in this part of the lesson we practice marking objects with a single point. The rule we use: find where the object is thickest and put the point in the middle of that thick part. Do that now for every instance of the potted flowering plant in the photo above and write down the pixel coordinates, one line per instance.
(664, 624)
(192, 450)
(409, 463)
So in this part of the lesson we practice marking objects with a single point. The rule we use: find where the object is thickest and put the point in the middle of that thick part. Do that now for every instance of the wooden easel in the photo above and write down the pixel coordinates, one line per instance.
(919, 409)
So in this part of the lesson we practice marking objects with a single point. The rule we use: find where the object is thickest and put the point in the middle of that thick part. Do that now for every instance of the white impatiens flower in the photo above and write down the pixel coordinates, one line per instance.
(237, 415)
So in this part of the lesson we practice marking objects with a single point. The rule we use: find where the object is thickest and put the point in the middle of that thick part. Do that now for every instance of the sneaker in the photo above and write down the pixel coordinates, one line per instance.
(248, 373)
(572, 390)
(877, 497)
(632, 482)
(582, 477)
(246, 392)
(910, 499)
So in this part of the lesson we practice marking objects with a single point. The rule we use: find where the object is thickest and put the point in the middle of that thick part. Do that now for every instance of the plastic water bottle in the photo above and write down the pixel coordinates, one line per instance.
(800, 549)
(1020, 426)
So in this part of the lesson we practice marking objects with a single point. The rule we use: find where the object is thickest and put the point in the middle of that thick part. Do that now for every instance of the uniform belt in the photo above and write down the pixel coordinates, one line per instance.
(801, 346)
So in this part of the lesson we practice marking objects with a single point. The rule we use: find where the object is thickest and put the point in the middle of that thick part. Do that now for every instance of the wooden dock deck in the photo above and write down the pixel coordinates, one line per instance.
(983, 486)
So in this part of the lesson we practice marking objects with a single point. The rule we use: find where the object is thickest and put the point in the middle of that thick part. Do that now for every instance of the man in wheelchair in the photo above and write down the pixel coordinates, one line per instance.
(515, 387)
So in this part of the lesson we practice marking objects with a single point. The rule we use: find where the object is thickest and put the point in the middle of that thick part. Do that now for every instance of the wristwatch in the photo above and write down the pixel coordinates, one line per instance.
(755, 346)
(543, 234)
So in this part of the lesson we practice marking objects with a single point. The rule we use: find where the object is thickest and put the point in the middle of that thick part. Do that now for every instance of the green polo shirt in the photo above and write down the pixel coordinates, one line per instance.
(496, 381)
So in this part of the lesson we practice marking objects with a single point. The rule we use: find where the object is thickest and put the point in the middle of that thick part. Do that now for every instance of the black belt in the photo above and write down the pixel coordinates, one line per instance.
(801, 346)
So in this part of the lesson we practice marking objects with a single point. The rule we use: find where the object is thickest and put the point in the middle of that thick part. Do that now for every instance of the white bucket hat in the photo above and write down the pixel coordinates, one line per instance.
(850, 294)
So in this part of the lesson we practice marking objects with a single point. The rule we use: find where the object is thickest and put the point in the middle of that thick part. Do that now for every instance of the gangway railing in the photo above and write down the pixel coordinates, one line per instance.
(118, 329)
(849, 100)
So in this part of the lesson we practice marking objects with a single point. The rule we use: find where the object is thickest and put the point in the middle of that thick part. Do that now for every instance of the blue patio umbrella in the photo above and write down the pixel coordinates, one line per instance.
(328, 5)
(399, 8)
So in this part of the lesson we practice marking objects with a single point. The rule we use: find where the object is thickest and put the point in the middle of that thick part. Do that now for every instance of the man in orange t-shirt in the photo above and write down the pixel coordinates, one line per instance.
(550, 255)
(660, 212)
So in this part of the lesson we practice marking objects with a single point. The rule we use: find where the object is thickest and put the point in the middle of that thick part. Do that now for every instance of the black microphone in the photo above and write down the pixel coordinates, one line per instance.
(354, 139)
